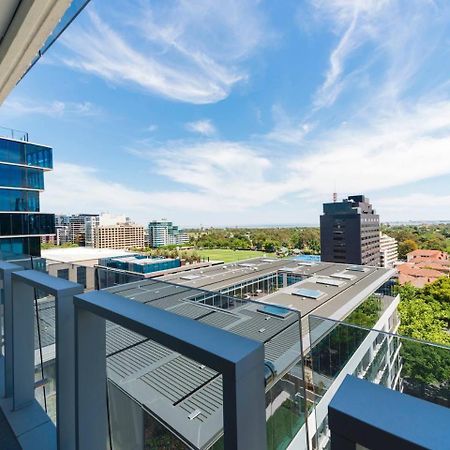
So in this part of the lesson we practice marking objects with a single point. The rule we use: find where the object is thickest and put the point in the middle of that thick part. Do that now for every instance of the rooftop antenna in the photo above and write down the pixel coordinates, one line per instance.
(334, 193)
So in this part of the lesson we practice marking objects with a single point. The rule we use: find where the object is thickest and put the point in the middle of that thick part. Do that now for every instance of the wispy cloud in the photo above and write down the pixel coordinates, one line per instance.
(287, 130)
(204, 127)
(394, 36)
(394, 148)
(373, 124)
(190, 52)
(56, 108)
(404, 208)
(71, 187)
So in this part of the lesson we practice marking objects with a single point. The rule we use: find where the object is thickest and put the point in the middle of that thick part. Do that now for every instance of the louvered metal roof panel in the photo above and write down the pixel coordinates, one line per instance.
(287, 339)
(178, 378)
(208, 400)
(219, 319)
(261, 327)
(119, 338)
(191, 310)
(135, 359)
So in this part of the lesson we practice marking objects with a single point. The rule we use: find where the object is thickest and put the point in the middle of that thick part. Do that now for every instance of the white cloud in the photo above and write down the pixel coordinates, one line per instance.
(395, 148)
(395, 35)
(287, 131)
(204, 127)
(392, 149)
(71, 187)
(230, 176)
(56, 108)
(190, 52)
(415, 206)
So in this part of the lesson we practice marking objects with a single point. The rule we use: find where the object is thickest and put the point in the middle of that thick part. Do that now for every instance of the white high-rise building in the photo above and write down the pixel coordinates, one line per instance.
(162, 232)
(388, 251)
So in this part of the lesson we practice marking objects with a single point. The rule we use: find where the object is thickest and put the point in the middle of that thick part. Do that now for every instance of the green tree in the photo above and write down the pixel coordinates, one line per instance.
(406, 247)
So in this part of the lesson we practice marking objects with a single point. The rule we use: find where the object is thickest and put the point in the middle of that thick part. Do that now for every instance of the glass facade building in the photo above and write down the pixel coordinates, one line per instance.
(22, 167)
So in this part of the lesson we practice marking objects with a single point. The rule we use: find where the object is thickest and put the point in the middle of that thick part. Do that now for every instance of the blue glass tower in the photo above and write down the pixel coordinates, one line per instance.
(22, 167)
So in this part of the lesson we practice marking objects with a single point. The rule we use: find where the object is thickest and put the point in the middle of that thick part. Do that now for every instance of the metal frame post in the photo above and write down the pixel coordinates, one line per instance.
(91, 381)
(240, 361)
(22, 343)
(6, 269)
(23, 285)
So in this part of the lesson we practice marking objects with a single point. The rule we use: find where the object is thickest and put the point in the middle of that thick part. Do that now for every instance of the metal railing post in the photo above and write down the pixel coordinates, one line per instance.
(22, 343)
(23, 285)
(6, 269)
(90, 381)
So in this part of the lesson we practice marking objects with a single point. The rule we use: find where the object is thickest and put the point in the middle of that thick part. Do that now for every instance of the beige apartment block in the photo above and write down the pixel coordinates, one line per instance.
(120, 236)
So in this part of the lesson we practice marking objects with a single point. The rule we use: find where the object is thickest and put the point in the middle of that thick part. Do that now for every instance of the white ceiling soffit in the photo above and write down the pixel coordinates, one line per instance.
(24, 27)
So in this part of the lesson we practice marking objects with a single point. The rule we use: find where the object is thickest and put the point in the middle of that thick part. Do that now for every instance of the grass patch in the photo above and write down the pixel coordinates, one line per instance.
(228, 255)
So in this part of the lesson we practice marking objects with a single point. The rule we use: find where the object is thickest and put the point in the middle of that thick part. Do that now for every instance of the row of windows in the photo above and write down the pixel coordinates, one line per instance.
(25, 153)
(81, 275)
(17, 200)
(19, 246)
(23, 177)
(26, 224)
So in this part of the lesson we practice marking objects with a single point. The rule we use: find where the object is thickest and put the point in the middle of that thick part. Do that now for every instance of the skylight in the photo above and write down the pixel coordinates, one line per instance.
(343, 276)
(308, 293)
(329, 281)
(189, 277)
(356, 268)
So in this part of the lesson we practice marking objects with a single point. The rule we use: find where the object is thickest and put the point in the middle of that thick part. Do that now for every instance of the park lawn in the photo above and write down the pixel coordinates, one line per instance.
(228, 255)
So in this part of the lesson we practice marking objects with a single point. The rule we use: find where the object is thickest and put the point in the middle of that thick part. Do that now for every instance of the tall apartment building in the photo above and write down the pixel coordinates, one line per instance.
(119, 236)
(388, 251)
(104, 219)
(62, 220)
(77, 227)
(62, 234)
(164, 232)
(22, 225)
(350, 232)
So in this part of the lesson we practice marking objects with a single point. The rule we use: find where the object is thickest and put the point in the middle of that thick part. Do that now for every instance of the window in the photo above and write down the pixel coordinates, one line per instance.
(63, 273)
(81, 276)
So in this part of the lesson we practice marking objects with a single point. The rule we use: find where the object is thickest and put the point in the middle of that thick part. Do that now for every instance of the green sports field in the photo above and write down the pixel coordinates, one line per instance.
(228, 255)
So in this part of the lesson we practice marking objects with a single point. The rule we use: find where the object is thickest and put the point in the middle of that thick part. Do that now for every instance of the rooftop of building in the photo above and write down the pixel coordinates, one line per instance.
(80, 254)
(156, 377)
(222, 276)
(427, 253)
(330, 290)
(142, 260)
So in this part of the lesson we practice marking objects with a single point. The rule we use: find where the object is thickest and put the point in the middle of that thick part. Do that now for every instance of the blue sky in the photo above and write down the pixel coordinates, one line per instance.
(244, 112)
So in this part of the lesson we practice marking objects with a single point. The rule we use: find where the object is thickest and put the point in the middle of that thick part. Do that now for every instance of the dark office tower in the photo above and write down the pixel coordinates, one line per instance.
(350, 232)
(22, 167)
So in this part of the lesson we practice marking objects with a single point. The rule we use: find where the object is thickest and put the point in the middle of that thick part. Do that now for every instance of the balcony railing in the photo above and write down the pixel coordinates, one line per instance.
(170, 350)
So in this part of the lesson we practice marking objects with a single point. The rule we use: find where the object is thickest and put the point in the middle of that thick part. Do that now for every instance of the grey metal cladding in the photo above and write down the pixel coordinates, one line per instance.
(208, 400)
(190, 310)
(119, 338)
(219, 319)
(178, 378)
(164, 303)
(287, 339)
(137, 358)
(261, 327)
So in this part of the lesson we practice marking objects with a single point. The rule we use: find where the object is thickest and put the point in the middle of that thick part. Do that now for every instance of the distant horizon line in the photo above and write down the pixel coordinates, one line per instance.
(280, 225)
